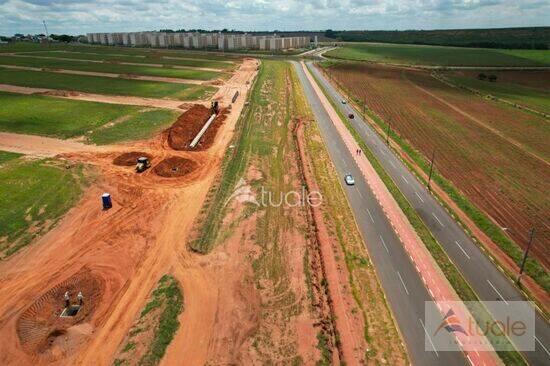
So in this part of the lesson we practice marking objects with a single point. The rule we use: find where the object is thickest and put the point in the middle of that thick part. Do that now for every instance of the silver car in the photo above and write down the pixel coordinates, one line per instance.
(350, 181)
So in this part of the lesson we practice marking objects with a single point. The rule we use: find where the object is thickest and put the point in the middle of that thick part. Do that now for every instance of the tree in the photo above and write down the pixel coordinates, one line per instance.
(492, 78)
(482, 76)
(329, 33)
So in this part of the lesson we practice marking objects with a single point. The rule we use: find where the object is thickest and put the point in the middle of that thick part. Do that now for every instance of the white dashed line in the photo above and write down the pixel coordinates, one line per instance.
(429, 338)
(405, 179)
(370, 215)
(384, 243)
(542, 345)
(498, 293)
(403, 282)
(463, 251)
(392, 164)
(361, 194)
(435, 217)
(420, 198)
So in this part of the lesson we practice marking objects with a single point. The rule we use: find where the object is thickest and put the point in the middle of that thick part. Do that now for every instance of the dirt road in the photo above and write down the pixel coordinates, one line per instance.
(122, 252)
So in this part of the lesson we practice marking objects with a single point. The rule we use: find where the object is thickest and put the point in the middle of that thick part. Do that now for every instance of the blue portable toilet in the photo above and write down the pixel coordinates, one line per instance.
(106, 199)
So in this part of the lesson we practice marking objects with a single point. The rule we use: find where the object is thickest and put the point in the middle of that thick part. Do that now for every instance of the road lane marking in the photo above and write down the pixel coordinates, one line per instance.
(384, 243)
(370, 215)
(420, 198)
(403, 282)
(435, 217)
(542, 345)
(498, 293)
(429, 338)
(405, 179)
(392, 164)
(463, 251)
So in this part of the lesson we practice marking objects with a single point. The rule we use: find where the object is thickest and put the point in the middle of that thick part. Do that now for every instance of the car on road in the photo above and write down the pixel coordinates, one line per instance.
(350, 181)
(344, 101)
(351, 116)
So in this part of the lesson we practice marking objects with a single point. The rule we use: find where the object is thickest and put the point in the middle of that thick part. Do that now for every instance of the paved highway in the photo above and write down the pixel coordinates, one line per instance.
(402, 285)
(487, 281)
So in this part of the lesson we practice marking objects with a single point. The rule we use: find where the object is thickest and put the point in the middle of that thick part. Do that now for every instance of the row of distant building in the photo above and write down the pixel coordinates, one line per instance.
(221, 41)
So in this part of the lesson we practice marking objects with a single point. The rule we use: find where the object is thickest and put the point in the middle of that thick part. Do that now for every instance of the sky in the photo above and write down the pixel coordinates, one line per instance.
(81, 16)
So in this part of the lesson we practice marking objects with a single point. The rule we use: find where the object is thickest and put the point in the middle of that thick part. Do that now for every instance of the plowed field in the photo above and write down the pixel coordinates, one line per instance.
(497, 156)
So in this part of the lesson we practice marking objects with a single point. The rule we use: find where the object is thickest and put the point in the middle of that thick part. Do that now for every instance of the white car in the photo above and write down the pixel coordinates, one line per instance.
(344, 101)
(349, 180)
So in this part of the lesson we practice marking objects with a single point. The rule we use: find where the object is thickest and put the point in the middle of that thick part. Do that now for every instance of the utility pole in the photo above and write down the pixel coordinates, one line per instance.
(47, 35)
(388, 134)
(431, 170)
(531, 236)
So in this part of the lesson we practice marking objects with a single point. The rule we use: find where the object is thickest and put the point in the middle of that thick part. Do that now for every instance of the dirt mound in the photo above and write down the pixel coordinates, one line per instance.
(40, 325)
(174, 166)
(60, 93)
(130, 158)
(188, 125)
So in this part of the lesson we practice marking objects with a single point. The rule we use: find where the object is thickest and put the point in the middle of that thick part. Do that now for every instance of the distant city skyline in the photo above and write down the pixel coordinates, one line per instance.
(82, 16)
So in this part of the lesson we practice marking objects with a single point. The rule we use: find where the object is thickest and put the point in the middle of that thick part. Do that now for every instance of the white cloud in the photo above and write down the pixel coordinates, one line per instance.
(81, 16)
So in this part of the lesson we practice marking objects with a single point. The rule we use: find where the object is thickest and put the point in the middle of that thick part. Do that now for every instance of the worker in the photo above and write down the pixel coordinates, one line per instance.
(80, 298)
(67, 299)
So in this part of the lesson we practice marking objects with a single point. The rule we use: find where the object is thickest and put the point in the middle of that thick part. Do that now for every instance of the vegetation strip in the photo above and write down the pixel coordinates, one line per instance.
(454, 276)
(104, 85)
(109, 68)
(156, 326)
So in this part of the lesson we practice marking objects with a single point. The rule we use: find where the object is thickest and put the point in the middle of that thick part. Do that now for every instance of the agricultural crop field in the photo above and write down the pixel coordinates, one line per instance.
(495, 154)
(527, 88)
(105, 85)
(439, 56)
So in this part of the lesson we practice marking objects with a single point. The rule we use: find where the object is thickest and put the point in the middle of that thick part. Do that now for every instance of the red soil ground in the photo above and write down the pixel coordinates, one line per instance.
(130, 158)
(188, 125)
(115, 257)
(497, 156)
(174, 166)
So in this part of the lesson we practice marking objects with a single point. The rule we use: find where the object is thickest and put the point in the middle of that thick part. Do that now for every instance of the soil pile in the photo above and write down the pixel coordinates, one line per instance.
(130, 158)
(174, 166)
(188, 125)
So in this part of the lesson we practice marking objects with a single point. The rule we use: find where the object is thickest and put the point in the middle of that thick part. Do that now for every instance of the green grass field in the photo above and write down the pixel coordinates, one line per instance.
(110, 50)
(6, 156)
(149, 59)
(138, 126)
(49, 116)
(34, 194)
(105, 85)
(158, 321)
(510, 86)
(442, 56)
(110, 68)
